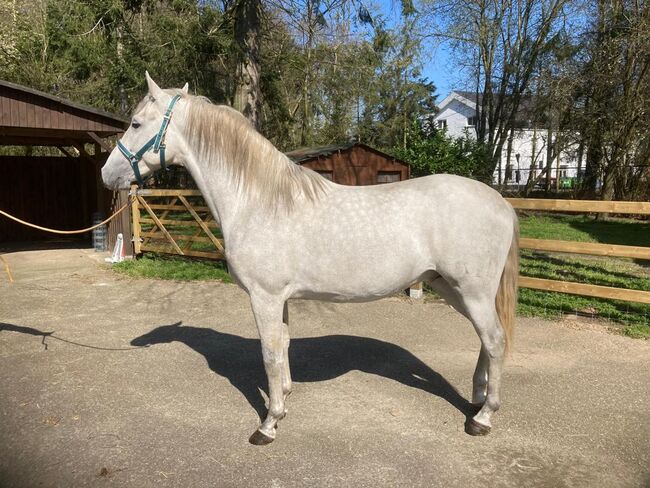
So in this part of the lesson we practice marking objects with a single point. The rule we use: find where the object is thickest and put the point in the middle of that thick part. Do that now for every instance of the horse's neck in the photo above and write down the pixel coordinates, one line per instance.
(223, 195)
(220, 195)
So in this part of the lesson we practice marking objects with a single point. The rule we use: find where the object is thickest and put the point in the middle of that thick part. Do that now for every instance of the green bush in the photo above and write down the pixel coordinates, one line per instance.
(436, 152)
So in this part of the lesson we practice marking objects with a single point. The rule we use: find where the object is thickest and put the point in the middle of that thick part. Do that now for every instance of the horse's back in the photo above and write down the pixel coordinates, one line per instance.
(368, 242)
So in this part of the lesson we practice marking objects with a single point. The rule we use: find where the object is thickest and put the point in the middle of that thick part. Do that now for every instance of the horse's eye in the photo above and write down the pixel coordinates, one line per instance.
(135, 124)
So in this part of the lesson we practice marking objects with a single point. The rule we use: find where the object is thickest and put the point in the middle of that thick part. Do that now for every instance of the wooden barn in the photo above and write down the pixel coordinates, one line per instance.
(62, 189)
(352, 164)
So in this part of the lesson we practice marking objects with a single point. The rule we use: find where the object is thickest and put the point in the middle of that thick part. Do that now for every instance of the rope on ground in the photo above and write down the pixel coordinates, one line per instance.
(7, 269)
(80, 231)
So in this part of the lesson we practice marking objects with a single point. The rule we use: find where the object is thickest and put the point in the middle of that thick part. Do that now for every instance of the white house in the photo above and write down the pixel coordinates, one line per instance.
(457, 114)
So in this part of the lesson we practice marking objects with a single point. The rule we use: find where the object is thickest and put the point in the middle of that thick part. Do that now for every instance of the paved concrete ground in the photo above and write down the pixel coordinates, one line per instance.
(378, 401)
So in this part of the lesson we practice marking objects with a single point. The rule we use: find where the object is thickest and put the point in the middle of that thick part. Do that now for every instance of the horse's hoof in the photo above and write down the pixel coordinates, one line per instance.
(472, 427)
(259, 438)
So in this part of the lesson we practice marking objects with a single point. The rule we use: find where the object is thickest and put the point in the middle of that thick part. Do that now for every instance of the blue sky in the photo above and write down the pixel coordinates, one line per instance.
(440, 70)
(437, 65)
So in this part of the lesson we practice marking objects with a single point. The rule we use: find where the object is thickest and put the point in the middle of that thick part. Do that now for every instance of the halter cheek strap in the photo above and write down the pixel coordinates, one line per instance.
(157, 142)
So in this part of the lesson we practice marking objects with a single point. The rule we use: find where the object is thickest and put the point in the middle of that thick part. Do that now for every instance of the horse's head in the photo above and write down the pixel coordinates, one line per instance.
(160, 335)
(151, 142)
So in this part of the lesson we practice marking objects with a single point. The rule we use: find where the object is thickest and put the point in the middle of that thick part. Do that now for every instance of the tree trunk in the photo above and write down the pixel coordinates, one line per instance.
(119, 48)
(549, 160)
(305, 126)
(592, 167)
(248, 97)
(531, 169)
(508, 175)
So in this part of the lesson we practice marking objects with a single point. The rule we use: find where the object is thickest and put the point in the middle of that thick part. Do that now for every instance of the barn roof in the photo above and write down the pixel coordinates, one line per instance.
(33, 117)
(305, 154)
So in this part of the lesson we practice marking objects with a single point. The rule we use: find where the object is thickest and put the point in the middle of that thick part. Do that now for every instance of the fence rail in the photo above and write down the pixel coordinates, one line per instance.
(573, 247)
(595, 249)
(582, 206)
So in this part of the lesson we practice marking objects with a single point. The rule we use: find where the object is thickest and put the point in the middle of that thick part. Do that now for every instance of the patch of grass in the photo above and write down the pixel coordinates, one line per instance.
(616, 272)
(620, 273)
(586, 229)
(173, 268)
(634, 318)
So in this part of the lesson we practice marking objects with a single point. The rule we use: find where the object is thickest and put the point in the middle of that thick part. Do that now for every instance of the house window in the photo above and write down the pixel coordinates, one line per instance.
(471, 121)
(388, 176)
(328, 175)
(442, 124)
(563, 170)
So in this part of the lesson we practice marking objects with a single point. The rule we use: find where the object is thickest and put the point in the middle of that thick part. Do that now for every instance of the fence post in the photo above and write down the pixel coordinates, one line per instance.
(135, 212)
(415, 291)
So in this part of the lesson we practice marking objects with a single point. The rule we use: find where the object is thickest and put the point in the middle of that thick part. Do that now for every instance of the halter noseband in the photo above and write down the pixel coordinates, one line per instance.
(157, 142)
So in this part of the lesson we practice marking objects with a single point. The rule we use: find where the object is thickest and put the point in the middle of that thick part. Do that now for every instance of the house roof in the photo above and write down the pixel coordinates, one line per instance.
(469, 98)
(305, 154)
(33, 117)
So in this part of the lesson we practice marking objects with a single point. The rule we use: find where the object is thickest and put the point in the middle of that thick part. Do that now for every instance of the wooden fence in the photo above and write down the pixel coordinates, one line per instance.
(612, 250)
(179, 222)
(176, 222)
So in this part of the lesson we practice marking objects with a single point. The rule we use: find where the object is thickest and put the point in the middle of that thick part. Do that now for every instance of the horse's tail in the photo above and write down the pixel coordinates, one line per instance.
(506, 299)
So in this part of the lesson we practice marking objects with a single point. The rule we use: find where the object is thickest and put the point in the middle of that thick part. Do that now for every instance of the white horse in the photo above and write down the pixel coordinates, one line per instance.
(289, 233)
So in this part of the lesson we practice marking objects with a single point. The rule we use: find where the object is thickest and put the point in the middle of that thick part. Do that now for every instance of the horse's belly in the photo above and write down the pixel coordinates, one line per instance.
(336, 278)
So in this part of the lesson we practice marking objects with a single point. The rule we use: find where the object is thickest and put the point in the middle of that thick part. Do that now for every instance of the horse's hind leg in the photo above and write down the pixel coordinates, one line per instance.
(482, 312)
(268, 317)
(480, 378)
(286, 372)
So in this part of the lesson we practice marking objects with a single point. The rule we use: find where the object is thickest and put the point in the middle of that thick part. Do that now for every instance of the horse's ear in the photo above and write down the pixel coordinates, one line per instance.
(186, 88)
(154, 90)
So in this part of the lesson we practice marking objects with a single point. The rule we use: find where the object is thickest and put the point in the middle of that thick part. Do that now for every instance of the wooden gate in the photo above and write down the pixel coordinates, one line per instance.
(174, 222)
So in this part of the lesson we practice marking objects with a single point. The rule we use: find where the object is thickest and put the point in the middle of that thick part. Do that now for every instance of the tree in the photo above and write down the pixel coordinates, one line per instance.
(247, 23)
(499, 43)
(615, 89)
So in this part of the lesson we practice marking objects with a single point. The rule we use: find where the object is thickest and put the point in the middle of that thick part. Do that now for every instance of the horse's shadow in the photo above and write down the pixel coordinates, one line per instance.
(312, 359)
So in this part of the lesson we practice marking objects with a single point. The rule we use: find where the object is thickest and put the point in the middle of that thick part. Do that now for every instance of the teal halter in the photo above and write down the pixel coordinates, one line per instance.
(157, 142)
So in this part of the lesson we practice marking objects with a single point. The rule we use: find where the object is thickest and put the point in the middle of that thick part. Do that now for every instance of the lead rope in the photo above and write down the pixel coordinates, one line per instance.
(80, 231)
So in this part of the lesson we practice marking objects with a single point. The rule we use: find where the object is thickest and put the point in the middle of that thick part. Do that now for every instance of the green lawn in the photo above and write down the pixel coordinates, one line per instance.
(173, 268)
(586, 229)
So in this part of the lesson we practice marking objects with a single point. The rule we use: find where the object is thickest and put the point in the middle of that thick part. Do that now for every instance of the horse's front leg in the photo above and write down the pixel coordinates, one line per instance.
(286, 371)
(268, 317)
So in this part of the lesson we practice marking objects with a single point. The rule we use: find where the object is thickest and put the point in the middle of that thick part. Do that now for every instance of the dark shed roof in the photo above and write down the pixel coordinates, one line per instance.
(305, 154)
(32, 117)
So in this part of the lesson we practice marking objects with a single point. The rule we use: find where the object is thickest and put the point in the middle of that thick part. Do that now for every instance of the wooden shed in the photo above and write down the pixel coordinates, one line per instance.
(59, 191)
(352, 164)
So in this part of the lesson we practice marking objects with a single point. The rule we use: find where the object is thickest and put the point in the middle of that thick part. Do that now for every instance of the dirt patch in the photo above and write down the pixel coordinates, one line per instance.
(146, 383)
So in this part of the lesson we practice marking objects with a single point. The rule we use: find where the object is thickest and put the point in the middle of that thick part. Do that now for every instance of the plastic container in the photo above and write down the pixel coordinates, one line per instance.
(99, 234)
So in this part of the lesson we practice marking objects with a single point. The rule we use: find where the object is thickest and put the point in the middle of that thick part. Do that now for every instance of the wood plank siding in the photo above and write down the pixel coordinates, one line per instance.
(37, 118)
(56, 192)
(352, 164)
(45, 191)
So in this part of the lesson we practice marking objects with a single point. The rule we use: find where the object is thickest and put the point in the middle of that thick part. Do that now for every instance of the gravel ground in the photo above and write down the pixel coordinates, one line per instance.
(379, 395)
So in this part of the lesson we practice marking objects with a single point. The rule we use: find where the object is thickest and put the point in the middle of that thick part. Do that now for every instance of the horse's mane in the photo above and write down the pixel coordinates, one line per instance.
(222, 137)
